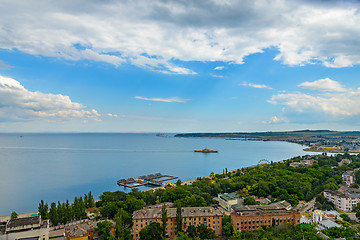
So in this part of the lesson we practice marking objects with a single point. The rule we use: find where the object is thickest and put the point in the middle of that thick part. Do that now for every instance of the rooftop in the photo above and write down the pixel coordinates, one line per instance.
(81, 229)
(261, 212)
(13, 223)
(171, 212)
(229, 196)
(328, 223)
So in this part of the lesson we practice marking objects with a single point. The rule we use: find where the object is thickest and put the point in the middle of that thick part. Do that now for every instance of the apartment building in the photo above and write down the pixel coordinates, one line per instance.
(195, 216)
(250, 220)
(342, 201)
(349, 177)
(25, 228)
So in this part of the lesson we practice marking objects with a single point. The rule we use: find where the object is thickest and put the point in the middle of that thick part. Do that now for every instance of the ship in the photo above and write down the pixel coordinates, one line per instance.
(205, 150)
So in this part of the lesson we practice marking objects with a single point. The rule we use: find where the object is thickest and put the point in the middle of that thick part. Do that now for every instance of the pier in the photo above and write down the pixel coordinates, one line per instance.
(155, 180)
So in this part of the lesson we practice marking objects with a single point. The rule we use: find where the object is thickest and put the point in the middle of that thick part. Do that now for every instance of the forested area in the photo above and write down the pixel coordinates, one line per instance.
(62, 213)
(279, 180)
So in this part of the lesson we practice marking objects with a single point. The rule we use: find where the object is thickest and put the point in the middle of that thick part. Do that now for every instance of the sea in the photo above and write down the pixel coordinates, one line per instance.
(58, 167)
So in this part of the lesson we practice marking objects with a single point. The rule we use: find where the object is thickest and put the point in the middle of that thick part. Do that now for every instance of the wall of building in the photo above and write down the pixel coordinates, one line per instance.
(42, 233)
(253, 222)
(213, 223)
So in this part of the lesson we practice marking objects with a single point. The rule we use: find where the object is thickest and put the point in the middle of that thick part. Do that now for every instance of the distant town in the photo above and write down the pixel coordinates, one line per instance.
(315, 140)
(309, 197)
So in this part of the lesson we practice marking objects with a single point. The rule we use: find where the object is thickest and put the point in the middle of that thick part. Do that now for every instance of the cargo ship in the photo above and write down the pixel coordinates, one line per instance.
(205, 150)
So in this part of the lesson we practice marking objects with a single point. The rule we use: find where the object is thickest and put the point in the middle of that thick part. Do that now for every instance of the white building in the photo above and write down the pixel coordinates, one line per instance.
(342, 201)
(226, 200)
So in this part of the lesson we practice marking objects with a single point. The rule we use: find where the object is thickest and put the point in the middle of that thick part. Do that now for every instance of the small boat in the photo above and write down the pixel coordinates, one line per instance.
(205, 150)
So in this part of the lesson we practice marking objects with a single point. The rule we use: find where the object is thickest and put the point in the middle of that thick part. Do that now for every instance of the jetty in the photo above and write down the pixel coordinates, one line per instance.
(155, 180)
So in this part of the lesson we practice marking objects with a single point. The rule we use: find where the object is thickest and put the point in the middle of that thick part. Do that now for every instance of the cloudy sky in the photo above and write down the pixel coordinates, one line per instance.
(179, 66)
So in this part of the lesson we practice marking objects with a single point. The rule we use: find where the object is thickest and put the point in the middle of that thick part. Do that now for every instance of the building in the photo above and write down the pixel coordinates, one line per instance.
(226, 200)
(250, 220)
(305, 163)
(195, 216)
(343, 161)
(326, 224)
(83, 231)
(349, 177)
(342, 201)
(25, 228)
(277, 205)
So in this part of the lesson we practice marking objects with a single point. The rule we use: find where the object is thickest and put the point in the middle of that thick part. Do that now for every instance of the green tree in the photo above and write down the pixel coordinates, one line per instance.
(53, 214)
(191, 231)
(345, 217)
(250, 201)
(164, 219)
(178, 219)
(43, 210)
(152, 231)
(204, 232)
(14, 215)
(122, 230)
(103, 229)
(227, 228)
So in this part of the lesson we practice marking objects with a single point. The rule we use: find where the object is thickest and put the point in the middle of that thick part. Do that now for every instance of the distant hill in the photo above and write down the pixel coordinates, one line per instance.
(305, 136)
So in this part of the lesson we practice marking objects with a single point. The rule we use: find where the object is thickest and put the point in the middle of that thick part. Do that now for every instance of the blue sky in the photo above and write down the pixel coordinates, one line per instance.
(179, 66)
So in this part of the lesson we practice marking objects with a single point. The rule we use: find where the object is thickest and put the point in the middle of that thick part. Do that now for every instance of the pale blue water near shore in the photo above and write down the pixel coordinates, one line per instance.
(57, 167)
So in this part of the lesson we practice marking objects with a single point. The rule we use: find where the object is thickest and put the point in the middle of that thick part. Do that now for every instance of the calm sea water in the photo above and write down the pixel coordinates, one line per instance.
(57, 167)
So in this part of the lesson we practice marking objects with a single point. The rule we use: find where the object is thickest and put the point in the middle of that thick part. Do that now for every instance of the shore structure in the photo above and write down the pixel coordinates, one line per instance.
(194, 216)
(25, 228)
(250, 220)
(156, 180)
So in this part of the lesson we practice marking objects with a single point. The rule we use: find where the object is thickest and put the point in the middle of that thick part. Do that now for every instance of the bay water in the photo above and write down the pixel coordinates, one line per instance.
(57, 167)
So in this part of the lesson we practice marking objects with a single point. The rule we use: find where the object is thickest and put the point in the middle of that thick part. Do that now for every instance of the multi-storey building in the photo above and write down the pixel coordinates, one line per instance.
(250, 220)
(342, 201)
(348, 177)
(226, 200)
(195, 216)
(25, 228)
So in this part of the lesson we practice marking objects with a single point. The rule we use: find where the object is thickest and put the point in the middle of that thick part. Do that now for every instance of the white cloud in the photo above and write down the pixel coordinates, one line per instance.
(336, 104)
(325, 84)
(172, 99)
(273, 120)
(256, 85)
(112, 115)
(217, 76)
(155, 34)
(4, 66)
(18, 103)
(219, 68)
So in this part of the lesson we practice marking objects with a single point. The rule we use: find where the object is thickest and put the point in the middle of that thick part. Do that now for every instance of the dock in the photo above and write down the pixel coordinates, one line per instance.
(155, 180)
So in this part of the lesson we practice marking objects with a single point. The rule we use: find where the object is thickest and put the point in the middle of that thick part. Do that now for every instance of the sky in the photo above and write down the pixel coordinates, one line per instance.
(179, 66)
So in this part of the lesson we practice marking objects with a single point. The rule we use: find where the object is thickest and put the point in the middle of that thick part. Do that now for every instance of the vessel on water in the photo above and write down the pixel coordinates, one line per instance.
(206, 150)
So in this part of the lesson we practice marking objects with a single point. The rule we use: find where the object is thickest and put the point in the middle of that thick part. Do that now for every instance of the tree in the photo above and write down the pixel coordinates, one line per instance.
(122, 219)
(14, 215)
(103, 229)
(164, 219)
(43, 210)
(53, 214)
(178, 219)
(250, 201)
(204, 232)
(191, 231)
(227, 227)
(151, 232)
(345, 217)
